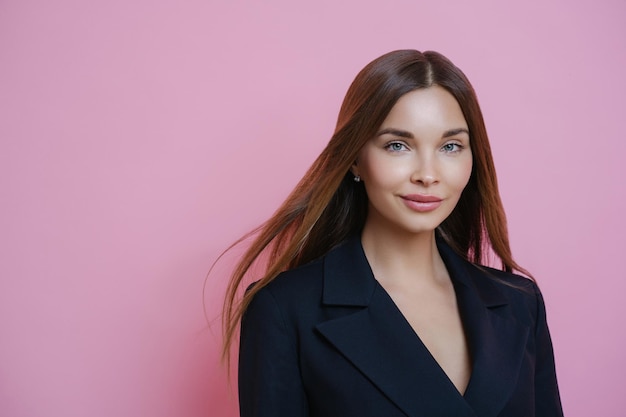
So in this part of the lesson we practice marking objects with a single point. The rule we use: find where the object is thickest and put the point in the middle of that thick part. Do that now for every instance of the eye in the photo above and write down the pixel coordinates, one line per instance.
(452, 147)
(396, 147)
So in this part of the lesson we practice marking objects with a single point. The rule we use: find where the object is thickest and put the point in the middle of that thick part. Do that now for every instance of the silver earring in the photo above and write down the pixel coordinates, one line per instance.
(357, 178)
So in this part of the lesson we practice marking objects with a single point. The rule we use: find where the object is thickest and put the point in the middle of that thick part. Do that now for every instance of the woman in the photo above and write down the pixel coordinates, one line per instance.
(373, 301)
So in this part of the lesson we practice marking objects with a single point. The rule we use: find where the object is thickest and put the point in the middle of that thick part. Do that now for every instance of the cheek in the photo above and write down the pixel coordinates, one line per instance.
(461, 173)
(467, 171)
(384, 171)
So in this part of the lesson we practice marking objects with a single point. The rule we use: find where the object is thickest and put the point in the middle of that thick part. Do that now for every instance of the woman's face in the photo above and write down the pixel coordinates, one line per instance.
(416, 166)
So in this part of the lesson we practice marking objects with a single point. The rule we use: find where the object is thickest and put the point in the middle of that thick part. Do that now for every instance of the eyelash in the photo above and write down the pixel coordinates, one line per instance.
(457, 147)
(390, 145)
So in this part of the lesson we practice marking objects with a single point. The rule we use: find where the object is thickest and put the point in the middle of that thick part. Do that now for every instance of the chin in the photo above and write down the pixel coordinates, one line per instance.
(417, 229)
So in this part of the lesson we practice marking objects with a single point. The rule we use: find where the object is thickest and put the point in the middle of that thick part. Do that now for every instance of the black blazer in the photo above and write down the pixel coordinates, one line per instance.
(326, 340)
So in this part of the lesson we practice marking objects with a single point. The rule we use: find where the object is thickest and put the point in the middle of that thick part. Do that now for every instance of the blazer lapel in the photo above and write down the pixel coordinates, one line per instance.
(379, 341)
(495, 339)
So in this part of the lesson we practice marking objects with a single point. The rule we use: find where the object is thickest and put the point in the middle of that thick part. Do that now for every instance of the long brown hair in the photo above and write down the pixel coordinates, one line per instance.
(327, 206)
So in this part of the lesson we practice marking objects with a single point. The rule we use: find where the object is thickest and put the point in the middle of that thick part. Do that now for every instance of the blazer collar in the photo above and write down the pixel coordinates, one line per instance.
(348, 278)
(379, 341)
(349, 281)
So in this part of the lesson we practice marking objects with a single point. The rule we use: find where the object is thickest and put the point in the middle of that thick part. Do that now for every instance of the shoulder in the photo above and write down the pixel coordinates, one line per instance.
(507, 281)
(495, 287)
(305, 279)
(491, 283)
(516, 294)
(308, 280)
(340, 277)
(291, 292)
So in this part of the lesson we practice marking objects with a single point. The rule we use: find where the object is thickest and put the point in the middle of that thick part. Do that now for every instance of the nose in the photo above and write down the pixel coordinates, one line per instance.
(425, 172)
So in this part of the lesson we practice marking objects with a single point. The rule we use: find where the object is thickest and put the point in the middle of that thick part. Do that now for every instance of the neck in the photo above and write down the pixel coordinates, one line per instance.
(403, 258)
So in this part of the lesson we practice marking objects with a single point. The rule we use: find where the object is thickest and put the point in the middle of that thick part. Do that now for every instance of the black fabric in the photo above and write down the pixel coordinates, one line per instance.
(326, 340)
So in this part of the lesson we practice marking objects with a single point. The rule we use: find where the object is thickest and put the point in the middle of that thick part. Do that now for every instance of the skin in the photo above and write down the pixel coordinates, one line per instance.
(421, 149)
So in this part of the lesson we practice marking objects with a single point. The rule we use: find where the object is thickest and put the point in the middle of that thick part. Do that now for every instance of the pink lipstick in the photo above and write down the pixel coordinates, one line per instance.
(421, 203)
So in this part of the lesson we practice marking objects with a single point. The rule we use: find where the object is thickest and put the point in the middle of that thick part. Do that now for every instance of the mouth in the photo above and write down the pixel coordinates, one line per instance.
(421, 198)
(421, 203)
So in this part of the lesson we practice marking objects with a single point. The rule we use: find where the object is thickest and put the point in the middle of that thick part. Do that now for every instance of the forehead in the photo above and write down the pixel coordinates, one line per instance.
(431, 107)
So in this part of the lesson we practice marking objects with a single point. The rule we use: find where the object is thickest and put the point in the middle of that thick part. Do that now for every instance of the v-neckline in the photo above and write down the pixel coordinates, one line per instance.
(432, 359)
(374, 339)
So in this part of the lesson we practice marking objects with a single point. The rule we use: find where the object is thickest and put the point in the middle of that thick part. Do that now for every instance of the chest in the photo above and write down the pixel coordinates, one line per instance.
(435, 319)
(372, 361)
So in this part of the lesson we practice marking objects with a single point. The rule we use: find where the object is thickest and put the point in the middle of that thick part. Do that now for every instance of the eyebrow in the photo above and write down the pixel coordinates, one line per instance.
(409, 135)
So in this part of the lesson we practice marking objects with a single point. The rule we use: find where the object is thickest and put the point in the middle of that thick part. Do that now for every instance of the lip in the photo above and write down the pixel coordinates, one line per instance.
(421, 203)
(422, 198)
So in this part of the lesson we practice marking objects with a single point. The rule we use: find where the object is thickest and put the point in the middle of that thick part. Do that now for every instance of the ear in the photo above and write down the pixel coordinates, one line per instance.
(354, 169)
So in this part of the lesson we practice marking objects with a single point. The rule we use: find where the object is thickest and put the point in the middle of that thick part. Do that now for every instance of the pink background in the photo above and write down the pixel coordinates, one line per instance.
(139, 138)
